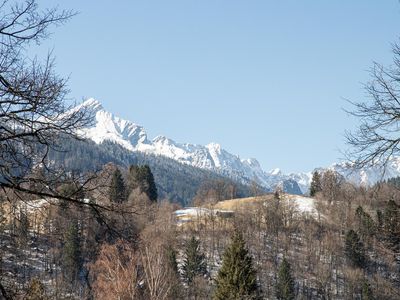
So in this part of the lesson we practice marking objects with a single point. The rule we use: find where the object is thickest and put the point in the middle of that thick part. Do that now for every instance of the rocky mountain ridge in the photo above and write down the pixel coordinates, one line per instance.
(133, 137)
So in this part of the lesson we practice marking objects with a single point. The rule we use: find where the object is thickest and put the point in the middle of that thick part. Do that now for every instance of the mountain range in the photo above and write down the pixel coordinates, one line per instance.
(106, 127)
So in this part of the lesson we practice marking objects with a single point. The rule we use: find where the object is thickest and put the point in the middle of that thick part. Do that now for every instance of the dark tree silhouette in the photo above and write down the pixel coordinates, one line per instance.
(377, 137)
(71, 258)
(366, 225)
(391, 225)
(117, 187)
(32, 97)
(354, 249)
(35, 114)
(34, 111)
(285, 284)
(315, 186)
(142, 178)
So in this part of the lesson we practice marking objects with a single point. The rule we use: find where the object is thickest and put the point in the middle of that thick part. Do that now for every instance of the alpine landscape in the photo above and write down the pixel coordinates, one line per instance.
(95, 206)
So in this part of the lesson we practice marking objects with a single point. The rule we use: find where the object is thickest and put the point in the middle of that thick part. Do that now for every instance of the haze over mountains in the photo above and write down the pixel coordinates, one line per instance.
(108, 127)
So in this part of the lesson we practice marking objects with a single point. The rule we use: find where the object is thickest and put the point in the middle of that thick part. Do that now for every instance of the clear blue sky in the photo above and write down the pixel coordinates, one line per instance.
(265, 79)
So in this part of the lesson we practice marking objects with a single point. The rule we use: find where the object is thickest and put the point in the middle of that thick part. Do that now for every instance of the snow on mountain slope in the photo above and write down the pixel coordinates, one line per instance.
(368, 175)
(133, 137)
(106, 126)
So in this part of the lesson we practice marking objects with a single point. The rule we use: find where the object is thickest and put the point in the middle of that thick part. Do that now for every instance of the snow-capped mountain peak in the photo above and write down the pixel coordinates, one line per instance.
(133, 137)
(108, 127)
(252, 162)
(91, 104)
(161, 139)
(275, 172)
(214, 147)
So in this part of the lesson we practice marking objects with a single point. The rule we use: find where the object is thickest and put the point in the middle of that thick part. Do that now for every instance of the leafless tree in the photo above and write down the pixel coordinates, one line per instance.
(160, 279)
(156, 270)
(377, 138)
(116, 272)
(331, 183)
(33, 110)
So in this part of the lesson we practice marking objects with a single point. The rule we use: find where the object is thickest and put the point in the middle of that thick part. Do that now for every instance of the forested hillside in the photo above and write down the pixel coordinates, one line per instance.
(176, 182)
(341, 244)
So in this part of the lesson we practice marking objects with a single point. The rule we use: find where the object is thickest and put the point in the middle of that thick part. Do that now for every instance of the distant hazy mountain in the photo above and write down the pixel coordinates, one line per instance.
(212, 157)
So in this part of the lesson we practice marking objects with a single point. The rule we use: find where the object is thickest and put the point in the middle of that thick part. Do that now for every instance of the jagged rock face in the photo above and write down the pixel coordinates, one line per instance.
(108, 127)
(290, 186)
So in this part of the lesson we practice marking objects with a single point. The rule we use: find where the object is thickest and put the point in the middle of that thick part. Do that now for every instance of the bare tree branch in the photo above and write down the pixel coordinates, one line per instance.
(35, 117)
(377, 138)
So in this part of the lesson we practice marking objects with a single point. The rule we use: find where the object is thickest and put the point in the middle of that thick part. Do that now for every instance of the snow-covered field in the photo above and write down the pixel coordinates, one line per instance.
(191, 213)
(304, 204)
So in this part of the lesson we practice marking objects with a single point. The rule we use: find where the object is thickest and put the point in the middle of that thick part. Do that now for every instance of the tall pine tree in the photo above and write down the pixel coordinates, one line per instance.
(150, 187)
(117, 192)
(316, 185)
(194, 263)
(354, 249)
(141, 177)
(285, 284)
(236, 278)
(366, 225)
(391, 225)
(71, 258)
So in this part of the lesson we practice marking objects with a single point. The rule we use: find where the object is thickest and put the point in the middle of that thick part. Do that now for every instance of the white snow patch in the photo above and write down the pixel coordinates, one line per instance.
(191, 213)
(305, 204)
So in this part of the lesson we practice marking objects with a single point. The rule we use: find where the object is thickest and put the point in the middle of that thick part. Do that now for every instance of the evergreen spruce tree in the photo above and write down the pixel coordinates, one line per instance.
(141, 177)
(391, 225)
(315, 186)
(285, 284)
(194, 263)
(236, 278)
(150, 186)
(117, 191)
(354, 249)
(366, 225)
(71, 258)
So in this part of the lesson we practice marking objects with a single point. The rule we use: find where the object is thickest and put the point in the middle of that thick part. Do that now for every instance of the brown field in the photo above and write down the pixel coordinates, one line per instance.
(235, 204)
